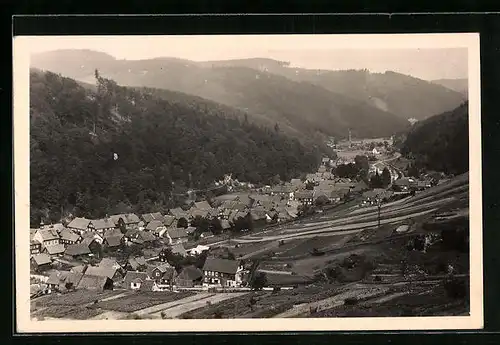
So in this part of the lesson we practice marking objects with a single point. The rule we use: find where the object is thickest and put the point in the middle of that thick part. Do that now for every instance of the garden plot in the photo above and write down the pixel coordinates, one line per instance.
(141, 300)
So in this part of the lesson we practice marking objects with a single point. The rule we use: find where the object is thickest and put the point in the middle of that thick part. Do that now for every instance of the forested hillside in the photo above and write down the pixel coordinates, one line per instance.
(441, 142)
(458, 85)
(161, 146)
(302, 105)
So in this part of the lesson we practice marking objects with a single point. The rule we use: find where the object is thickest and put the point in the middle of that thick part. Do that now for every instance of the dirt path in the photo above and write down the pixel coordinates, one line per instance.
(168, 305)
(176, 311)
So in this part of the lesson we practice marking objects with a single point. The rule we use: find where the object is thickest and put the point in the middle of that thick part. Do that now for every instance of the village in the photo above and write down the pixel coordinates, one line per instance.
(192, 249)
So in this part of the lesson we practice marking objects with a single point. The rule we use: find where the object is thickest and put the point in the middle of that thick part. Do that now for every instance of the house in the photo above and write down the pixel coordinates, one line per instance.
(112, 272)
(94, 246)
(41, 262)
(202, 205)
(325, 161)
(55, 250)
(102, 225)
(169, 221)
(296, 182)
(63, 280)
(190, 230)
(46, 237)
(131, 234)
(35, 246)
(193, 213)
(114, 242)
(125, 220)
(402, 184)
(112, 232)
(145, 237)
(206, 234)
(179, 249)
(88, 235)
(163, 275)
(189, 276)
(176, 236)
(225, 224)
(92, 282)
(305, 197)
(148, 217)
(198, 250)
(137, 263)
(79, 269)
(178, 213)
(156, 227)
(285, 191)
(322, 169)
(78, 250)
(222, 272)
(67, 236)
(336, 195)
(79, 225)
(134, 280)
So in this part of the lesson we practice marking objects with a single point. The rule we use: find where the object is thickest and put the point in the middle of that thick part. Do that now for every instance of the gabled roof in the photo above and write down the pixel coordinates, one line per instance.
(133, 276)
(177, 233)
(63, 277)
(178, 213)
(90, 235)
(306, 194)
(104, 223)
(77, 249)
(221, 265)
(79, 223)
(48, 234)
(146, 236)
(225, 224)
(202, 205)
(154, 224)
(109, 262)
(100, 271)
(112, 232)
(55, 249)
(79, 269)
(190, 229)
(132, 232)
(68, 235)
(198, 213)
(148, 217)
(137, 262)
(190, 273)
(92, 282)
(147, 285)
(178, 249)
(169, 220)
(129, 218)
(42, 259)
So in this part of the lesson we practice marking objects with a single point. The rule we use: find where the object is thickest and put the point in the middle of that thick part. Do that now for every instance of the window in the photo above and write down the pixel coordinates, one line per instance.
(216, 274)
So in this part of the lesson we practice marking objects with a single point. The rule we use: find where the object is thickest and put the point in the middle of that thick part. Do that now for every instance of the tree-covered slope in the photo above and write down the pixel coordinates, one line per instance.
(441, 142)
(162, 146)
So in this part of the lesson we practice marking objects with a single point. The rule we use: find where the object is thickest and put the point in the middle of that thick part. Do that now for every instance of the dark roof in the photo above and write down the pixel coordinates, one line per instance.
(42, 259)
(129, 218)
(306, 194)
(146, 236)
(79, 223)
(167, 270)
(55, 249)
(109, 262)
(221, 265)
(178, 213)
(131, 232)
(402, 182)
(77, 249)
(79, 269)
(198, 213)
(177, 233)
(114, 241)
(154, 224)
(131, 276)
(148, 217)
(68, 235)
(136, 262)
(190, 273)
(92, 282)
(164, 267)
(57, 277)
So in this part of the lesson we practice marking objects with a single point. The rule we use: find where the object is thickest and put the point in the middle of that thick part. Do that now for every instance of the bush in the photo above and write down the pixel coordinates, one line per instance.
(351, 301)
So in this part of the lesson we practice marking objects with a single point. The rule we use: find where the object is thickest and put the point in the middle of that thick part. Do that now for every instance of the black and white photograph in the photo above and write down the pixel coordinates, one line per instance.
(248, 182)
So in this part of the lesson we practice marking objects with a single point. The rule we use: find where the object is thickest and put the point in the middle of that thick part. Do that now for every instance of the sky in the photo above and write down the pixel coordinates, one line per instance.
(429, 56)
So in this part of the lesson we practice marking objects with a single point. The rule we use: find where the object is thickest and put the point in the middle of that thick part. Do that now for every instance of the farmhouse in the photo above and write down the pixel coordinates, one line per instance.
(190, 276)
(222, 272)
(134, 280)
(178, 213)
(111, 272)
(47, 237)
(202, 205)
(55, 250)
(163, 275)
(91, 282)
(114, 242)
(125, 220)
(169, 221)
(148, 217)
(78, 250)
(305, 197)
(68, 236)
(90, 235)
(156, 227)
(41, 262)
(80, 225)
(176, 236)
(137, 263)
(102, 225)
(63, 280)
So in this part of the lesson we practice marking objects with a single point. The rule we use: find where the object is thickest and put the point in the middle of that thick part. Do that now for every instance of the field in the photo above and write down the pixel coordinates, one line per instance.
(140, 300)
(75, 298)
